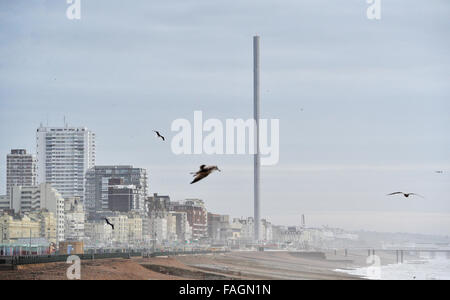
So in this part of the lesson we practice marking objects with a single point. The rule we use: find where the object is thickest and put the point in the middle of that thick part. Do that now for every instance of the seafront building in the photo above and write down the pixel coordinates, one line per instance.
(243, 230)
(98, 234)
(157, 204)
(158, 224)
(246, 228)
(64, 154)
(196, 215)
(29, 199)
(219, 229)
(157, 228)
(97, 186)
(20, 169)
(74, 219)
(135, 228)
(171, 228)
(14, 227)
(266, 230)
(47, 225)
(128, 229)
(183, 229)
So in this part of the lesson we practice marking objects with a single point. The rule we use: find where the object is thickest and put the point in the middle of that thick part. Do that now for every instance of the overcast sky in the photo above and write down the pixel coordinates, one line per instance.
(363, 105)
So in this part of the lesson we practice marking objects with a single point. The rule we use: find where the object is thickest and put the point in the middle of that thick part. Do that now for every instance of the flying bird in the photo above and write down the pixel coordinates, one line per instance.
(203, 172)
(107, 222)
(439, 172)
(159, 135)
(405, 194)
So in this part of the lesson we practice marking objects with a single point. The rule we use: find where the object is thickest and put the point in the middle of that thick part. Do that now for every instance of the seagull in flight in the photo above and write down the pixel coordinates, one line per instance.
(107, 222)
(405, 194)
(203, 172)
(159, 135)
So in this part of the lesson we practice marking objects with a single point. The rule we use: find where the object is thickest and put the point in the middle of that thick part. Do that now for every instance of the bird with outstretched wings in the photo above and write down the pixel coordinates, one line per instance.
(405, 194)
(159, 135)
(203, 172)
(109, 223)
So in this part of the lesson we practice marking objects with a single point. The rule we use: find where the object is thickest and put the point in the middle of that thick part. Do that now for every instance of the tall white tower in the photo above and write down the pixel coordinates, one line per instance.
(63, 156)
(257, 163)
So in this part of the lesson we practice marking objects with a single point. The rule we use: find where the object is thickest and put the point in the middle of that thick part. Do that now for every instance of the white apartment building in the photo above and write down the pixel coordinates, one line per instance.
(26, 199)
(64, 154)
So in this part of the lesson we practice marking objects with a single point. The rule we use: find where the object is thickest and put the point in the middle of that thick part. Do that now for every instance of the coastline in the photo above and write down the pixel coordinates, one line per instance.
(243, 265)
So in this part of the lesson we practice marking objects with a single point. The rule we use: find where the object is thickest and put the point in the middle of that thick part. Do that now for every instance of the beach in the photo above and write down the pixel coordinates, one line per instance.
(243, 265)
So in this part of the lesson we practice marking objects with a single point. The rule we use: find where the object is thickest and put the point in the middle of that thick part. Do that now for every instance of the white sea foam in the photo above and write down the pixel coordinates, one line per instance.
(424, 269)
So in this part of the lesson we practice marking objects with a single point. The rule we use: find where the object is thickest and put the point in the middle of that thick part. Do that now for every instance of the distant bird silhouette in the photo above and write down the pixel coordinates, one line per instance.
(159, 135)
(439, 172)
(203, 172)
(404, 194)
(107, 222)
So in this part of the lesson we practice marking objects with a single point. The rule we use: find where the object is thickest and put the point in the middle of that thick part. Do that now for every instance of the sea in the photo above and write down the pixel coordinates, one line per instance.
(424, 268)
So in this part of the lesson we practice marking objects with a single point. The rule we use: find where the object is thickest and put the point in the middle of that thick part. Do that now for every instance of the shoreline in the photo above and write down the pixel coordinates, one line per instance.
(236, 265)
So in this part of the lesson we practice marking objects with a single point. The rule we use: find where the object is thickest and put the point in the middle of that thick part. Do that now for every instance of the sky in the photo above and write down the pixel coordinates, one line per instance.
(363, 105)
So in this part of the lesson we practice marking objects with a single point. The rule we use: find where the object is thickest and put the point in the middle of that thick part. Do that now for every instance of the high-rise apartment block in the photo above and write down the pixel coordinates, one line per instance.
(64, 154)
(20, 169)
